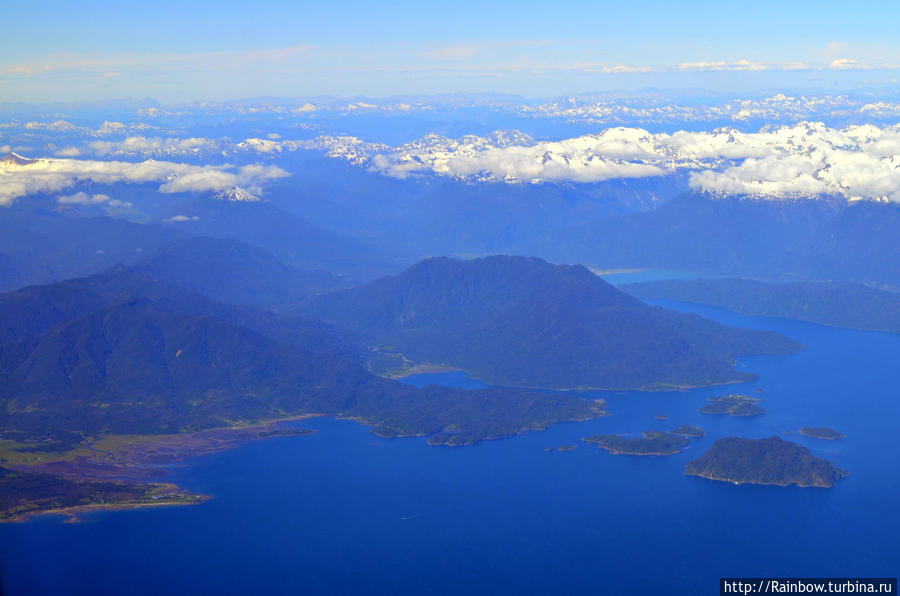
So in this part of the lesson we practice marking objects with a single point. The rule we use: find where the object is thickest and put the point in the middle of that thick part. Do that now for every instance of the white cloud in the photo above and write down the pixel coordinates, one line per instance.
(55, 175)
(114, 65)
(139, 145)
(845, 64)
(83, 198)
(178, 218)
(804, 160)
(453, 52)
(69, 152)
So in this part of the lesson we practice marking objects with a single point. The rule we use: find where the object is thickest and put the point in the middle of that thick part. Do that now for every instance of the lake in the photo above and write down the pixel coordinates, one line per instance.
(343, 511)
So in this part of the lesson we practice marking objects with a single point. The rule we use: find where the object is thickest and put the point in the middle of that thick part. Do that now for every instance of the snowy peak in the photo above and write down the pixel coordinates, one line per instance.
(14, 159)
(236, 194)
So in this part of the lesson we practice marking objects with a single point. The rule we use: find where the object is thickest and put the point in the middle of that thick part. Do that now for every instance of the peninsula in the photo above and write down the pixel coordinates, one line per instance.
(26, 494)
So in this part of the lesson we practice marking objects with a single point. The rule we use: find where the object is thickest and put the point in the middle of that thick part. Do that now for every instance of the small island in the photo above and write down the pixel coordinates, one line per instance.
(821, 432)
(567, 448)
(689, 431)
(652, 442)
(764, 461)
(736, 404)
(662, 417)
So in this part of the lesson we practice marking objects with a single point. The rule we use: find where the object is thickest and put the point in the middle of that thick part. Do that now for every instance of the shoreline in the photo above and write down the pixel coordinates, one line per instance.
(423, 369)
(144, 460)
(73, 511)
(740, 482)
(125, 457)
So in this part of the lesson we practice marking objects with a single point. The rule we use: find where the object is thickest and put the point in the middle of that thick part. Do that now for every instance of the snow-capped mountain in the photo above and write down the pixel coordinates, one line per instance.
(13, 161)
(804, 160)
(235, 193)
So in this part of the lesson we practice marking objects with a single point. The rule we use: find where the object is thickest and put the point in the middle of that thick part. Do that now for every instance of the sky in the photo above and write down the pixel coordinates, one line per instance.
(188, 51)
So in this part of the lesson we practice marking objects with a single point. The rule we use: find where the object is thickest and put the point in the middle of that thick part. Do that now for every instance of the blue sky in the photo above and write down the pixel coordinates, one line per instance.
(180, 51)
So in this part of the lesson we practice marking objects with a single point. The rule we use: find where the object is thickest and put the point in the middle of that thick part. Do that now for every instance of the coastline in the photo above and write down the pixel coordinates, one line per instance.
(140, 461)
(72, 512)
(422, 369)
(708, 476)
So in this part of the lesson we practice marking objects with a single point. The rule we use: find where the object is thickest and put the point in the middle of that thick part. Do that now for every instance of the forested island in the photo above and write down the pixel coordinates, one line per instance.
(689, 431)
(764, 461)
(735, 404)
(651, 442)
(821, 432)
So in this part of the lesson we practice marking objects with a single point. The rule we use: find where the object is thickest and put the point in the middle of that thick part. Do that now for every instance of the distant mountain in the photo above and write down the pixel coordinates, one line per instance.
(446, 216)
(291, 238)
(158, 359)
(524, 322)
(40, 248)
(236, 194)
(809, 239)
(132, 366)
(11, 160)
(827, 303)
(31, 312)
(236, 272)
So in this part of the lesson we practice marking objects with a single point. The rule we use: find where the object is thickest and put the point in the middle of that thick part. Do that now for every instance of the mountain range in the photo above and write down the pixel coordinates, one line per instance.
(801, 239)
(235, 272)
(119, 352)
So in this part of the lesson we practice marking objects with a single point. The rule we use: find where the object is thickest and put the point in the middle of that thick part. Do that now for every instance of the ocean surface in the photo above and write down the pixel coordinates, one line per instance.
(343, 511)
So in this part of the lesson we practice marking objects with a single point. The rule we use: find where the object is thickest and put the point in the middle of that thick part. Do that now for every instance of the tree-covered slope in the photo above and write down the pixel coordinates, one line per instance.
(525, 322)
(235, 272)
(121, 353)
(764, 461)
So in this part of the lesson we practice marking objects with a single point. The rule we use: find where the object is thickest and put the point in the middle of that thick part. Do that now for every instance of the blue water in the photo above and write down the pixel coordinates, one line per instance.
(344, 511)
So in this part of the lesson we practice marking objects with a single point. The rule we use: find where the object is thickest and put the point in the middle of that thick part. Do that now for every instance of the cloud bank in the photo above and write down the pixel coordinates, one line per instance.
(805, 160)
(56, 175)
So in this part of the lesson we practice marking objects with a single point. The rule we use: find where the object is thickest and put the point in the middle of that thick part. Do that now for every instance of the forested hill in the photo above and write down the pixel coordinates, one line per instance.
(525, 322)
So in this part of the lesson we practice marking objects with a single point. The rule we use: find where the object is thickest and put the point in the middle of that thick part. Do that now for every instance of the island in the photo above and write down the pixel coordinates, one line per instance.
(567, 448)
(736, 404)
(651, 442)
(661, 417)
(689, 431)
(764, 461)
(821, 432)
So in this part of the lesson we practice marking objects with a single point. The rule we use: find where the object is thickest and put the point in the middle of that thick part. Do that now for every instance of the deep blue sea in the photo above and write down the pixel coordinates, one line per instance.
(344, 511)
